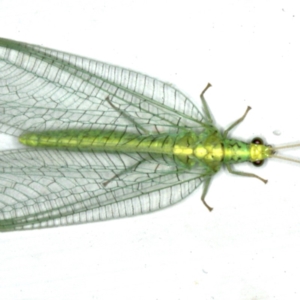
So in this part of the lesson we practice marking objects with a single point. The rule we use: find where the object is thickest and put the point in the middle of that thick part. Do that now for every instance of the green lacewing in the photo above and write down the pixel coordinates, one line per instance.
(101, 141)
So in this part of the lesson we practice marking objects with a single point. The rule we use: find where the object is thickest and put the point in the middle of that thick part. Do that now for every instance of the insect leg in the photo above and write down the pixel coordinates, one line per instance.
(205, 189)
(126, 116)
(236, 122)
(128, 170)
(205, 106)
(230, 170)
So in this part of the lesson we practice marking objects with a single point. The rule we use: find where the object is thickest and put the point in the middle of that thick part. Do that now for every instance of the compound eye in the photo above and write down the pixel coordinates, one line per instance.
(258, 163)
(257, 141)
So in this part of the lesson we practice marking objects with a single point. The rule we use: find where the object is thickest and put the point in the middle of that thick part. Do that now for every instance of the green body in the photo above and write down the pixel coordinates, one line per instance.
(189, 148)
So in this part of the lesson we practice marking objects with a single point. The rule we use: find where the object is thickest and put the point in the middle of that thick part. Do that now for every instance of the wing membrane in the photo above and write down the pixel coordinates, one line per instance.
(43, 89)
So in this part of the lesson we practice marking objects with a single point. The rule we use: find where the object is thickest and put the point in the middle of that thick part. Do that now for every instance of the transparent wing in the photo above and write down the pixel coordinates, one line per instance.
(46, 89)
(43, 89)
(41, 188)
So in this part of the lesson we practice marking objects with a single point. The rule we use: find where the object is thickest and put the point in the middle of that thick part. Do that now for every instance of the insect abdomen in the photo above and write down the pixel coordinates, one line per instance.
(98, 140)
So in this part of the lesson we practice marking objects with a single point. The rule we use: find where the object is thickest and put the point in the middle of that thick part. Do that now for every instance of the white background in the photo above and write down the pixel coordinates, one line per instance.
(249, 246)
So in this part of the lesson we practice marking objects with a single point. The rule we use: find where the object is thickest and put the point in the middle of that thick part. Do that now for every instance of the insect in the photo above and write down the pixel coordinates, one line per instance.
(101, 142)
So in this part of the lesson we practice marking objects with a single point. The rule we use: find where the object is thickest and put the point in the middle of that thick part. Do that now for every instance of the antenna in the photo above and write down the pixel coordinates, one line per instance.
(286, 147)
